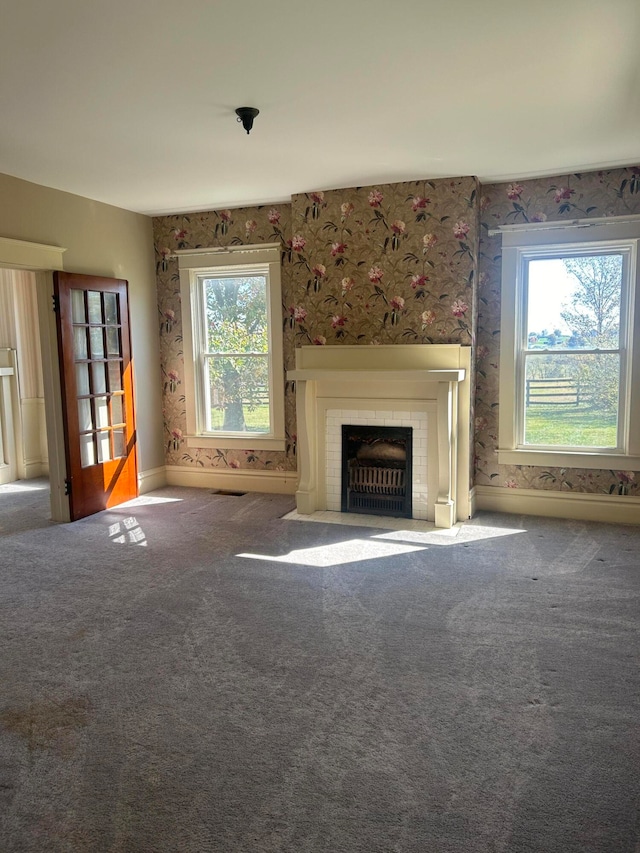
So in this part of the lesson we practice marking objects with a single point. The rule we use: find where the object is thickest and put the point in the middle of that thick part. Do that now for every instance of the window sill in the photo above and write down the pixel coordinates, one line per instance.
(569, 459)
(250, 442)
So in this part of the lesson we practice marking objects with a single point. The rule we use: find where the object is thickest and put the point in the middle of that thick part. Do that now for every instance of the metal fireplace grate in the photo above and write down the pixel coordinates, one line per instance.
(376, 470)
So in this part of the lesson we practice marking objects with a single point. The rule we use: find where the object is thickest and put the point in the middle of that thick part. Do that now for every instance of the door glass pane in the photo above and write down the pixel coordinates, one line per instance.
(77, 306)
(115, 376)
(99, 371)
(82, 379)
(97, 344)
(571, 400)
(110, 308)
(113, 340)
(116, 410)
(574, 302)
(104, 448)
(79, 342)
(87, 451)
(84, 414)
(239, 394)
(102, 412)
(95, 308)
(118, 443)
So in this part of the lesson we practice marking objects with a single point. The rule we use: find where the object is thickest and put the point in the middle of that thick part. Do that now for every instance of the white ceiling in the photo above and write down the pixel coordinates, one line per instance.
(131, 102)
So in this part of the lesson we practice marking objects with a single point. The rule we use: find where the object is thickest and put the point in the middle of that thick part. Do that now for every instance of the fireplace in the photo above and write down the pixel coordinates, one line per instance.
(422, 387)
(377, 470)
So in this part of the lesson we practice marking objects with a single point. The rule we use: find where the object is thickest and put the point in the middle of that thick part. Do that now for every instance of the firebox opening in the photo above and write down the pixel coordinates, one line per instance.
(377, 470)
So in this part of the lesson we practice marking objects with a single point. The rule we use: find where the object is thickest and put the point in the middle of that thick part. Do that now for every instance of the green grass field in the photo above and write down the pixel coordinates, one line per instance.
(569, 426)
(255, 421)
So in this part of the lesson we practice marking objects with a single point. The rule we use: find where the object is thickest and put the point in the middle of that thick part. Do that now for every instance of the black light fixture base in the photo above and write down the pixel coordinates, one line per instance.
(246, 115)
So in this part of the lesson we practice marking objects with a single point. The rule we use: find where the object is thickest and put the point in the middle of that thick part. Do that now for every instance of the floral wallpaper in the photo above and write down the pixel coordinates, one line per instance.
(395, 263)
(576, 196)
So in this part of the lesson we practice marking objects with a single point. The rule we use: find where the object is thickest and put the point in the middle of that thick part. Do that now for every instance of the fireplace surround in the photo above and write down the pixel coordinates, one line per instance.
(425, 387)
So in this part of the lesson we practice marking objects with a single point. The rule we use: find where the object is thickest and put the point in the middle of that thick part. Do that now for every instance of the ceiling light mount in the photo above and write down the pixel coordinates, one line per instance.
(246, 115)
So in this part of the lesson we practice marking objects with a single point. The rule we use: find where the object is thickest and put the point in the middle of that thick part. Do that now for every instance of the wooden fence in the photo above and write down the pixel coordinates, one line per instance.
(556, 392)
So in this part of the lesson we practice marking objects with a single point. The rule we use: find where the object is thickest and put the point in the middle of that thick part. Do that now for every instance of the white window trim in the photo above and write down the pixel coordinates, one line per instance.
(519, 245)
(193, 263)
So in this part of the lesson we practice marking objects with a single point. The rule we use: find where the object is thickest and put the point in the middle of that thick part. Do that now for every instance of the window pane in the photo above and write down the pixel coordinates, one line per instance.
(79, 342)
(82, 379)
(236, 314)
(77, 306)
(84, 414)
(110, 308)
(95, 308)
(574, 302)
(116, 410)
(115, 376)
(97, 345)
(239, 394)
(98, 368)
(104, 446)
(118, 443)
(87, 451)
(571, 400)
(102, 412)
(113, 340)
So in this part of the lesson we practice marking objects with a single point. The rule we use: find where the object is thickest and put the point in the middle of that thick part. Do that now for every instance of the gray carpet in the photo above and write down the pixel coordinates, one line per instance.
(24, 505)
(159, 692)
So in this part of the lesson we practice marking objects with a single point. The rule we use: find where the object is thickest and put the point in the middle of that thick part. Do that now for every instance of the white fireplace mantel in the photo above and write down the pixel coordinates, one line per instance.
(430, 380)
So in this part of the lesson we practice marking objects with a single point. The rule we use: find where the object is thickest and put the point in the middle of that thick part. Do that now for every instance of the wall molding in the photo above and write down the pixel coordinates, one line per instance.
(271, 482)
(153, 478)
(616, 509)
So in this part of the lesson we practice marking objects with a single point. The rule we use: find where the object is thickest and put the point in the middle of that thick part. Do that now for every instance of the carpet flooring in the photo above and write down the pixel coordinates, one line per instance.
(192, 673)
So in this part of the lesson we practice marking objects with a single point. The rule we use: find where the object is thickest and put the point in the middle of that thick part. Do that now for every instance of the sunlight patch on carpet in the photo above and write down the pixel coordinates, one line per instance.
(339, 553)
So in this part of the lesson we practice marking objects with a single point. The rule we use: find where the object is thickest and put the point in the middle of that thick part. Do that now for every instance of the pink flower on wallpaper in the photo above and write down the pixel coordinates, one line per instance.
(164, 252)
(173, 376)
(514, 191)
(298, 242)
(485, 201)
(179, 233)
(460, 230)
(233, 463)
(428, 317)
(563, 194)
(626, 476)
(225, 215)
(481, 422)
(347, 284)
(482, 351)
(398, 226)
(319, 340)
(273, 216)
(337, 321)
(250, 226)
(539, 217)
(375, 275)
(317, 197)
(510, 483)
(459, 308)
(319, 270)
(176, 434)
(419, 281)
(346, 209)
(429, 241)
(419, 203)
(298, 313)
(169, 314)
(397, 303)
(375, 198)
(337, 249)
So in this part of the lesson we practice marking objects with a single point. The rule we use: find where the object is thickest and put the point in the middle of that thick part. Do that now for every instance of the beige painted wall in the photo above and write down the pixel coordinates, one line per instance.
(101, 240)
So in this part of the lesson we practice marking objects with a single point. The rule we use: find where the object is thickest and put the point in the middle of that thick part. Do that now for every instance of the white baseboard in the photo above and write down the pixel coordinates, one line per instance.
(153, 478)
(271, 482)
(33, 468)
(620, 509)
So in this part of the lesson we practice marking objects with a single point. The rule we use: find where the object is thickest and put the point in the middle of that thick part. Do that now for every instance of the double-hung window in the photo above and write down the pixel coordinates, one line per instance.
(232, 329)
(570, 346)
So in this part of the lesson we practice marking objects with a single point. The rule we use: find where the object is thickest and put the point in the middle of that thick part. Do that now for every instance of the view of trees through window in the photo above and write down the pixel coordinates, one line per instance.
(572, 357)
(237, 356)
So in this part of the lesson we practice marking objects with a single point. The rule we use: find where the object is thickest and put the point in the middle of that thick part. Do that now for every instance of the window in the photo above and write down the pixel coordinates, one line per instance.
(570, 345)
(234, 377)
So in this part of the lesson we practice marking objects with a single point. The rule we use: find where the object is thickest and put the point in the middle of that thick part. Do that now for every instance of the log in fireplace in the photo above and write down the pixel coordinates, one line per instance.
(377, 470)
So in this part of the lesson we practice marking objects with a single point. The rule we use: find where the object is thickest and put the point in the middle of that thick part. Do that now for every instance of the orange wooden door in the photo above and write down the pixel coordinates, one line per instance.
(97, 391)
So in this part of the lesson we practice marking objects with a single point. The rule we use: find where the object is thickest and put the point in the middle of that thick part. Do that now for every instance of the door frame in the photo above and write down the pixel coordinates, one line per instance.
(42, 260)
